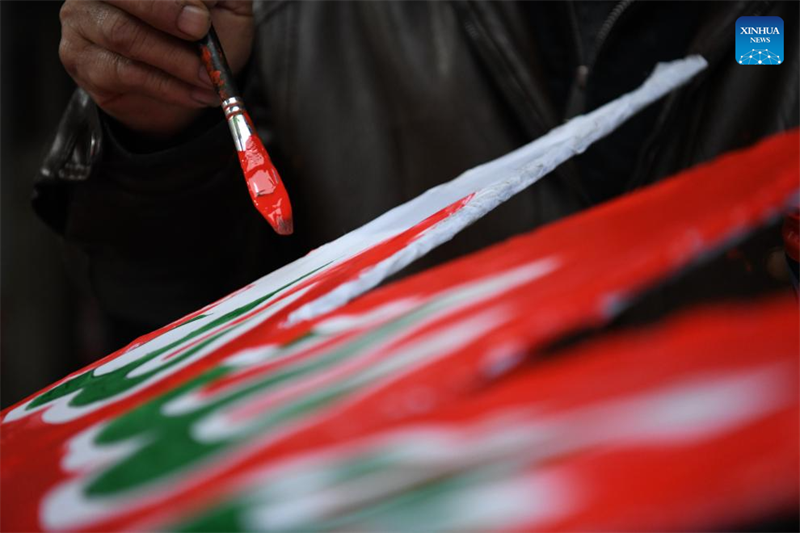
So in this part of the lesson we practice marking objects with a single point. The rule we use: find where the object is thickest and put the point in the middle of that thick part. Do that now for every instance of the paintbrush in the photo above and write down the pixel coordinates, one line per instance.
(263, 182)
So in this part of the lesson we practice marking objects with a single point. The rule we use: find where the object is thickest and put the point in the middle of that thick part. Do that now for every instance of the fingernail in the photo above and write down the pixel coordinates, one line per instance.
(206, 98)
(193, 21)
(204, 78)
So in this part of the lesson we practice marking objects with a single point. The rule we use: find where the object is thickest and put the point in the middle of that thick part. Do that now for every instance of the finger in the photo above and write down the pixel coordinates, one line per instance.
(127, 36)
(185, 19)
(109, 75)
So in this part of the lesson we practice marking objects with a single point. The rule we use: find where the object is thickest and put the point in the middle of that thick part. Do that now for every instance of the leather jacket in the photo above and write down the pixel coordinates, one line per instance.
(365, 105)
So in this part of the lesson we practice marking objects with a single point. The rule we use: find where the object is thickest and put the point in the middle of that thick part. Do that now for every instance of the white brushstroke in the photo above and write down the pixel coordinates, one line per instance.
(297, 492)
(492, 183)
(218, 425)
(84, 454)
(61, 409)
(341, 322)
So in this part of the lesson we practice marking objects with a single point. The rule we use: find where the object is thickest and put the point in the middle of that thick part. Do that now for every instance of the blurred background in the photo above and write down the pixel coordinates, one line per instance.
(48, 327)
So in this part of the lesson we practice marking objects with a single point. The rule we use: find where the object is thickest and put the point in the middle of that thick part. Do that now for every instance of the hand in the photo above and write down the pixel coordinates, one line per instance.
(137, 59)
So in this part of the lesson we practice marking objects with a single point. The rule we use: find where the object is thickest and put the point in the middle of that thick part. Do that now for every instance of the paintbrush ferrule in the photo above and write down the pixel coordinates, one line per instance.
(236, 117)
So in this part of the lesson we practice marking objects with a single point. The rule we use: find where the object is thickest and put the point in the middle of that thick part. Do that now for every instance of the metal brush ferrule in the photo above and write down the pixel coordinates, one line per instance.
(236, 117)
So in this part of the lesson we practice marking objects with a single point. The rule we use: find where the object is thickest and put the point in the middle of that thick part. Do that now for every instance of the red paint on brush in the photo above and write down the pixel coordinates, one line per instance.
(214, 73)
(265, 186)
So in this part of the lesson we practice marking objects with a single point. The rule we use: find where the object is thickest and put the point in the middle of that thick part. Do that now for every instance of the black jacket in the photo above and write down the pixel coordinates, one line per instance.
(365, 105)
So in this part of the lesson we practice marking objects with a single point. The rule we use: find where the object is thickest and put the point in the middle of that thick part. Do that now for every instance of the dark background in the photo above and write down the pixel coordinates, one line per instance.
(48, 327)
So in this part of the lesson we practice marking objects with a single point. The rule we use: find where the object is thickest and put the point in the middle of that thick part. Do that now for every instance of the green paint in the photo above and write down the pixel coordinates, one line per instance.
(421, 507)
(93, 388)
(167, 442)
(227, 515)
(198, 317)
(223, 518)
(406, 508)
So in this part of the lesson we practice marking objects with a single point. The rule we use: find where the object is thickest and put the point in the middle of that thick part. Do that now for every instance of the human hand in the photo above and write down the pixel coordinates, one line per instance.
(137, 59)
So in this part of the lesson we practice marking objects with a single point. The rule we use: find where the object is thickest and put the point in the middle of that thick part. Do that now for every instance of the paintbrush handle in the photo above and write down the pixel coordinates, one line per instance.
(213, 58)
(217, 65)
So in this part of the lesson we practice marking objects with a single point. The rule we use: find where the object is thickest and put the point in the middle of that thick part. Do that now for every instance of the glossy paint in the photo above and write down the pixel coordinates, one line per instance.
(237, 418)
(265, 186)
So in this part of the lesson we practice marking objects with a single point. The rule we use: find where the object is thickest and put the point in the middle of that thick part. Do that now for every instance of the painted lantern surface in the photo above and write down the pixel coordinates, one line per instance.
(445, 401)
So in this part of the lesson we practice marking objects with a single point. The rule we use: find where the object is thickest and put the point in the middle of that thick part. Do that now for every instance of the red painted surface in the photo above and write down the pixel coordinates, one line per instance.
(31, 437)
(633, 243)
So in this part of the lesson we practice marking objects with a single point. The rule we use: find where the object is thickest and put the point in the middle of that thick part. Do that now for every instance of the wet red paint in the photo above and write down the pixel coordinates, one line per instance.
(217, 79)
(632, 248)
(265, 186)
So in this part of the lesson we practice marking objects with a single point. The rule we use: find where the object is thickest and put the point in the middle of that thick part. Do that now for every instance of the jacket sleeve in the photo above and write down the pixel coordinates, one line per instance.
(155, 235)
